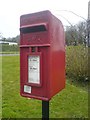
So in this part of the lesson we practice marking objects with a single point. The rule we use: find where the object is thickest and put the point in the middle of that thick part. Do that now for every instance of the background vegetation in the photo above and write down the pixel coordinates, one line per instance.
(77, 63)
(13, 39)
(10, 48)
(77, 34)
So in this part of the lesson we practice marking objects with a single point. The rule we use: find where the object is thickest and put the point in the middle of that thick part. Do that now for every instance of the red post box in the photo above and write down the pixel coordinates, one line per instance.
(42, 55)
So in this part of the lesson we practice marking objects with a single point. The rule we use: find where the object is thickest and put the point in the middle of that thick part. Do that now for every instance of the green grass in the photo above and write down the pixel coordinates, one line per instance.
(72, 102)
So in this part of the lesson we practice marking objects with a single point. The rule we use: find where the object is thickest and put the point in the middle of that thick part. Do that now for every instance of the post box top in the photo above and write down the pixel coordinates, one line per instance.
(36, 23)
(35, 18)
(36, 13)
(42, 17)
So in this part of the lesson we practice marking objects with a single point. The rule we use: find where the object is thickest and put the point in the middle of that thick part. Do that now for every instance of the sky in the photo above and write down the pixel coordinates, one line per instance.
(11, 10)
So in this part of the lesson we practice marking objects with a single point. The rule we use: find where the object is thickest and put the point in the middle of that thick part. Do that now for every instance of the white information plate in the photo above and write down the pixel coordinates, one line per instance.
(27, 89)
(34, 69)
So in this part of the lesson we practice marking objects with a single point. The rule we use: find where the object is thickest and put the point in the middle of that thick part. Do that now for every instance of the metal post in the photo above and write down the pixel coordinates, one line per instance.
(89, 10)
(45, 110)
(88, 24)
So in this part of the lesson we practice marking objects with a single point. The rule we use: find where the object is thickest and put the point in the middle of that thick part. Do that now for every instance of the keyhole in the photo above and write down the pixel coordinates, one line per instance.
(33, 49)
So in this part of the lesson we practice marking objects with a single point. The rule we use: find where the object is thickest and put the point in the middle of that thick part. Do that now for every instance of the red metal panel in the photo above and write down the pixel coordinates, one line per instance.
(45, 32)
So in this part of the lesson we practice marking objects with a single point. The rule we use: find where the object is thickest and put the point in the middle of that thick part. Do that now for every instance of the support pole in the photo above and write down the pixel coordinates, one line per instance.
(88, 24)
(45, 110)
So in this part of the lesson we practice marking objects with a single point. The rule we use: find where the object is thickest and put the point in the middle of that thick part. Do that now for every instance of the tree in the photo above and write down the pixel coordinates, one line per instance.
(76, 34)
(71, 35)
(16, 39)
(1, 36)
(82, 32)
(13, 39)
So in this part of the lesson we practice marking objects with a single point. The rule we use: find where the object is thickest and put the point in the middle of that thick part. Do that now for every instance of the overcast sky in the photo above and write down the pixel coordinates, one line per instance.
(11, 10)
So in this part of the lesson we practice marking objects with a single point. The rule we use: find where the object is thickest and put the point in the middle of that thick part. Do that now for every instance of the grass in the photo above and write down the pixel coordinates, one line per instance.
(72, 102)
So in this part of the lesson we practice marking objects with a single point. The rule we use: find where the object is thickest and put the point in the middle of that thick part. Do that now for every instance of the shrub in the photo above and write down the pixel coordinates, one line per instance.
(10, 48)
(77, 62)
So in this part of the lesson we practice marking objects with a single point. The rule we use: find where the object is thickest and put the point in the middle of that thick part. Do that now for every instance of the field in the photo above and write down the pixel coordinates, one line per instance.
(72, 102)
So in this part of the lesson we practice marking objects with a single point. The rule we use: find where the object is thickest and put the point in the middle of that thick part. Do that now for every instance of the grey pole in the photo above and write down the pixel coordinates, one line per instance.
(88, 25)
(89, 10)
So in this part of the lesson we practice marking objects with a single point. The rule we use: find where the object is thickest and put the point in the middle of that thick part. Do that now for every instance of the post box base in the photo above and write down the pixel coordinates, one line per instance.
(35, 97)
